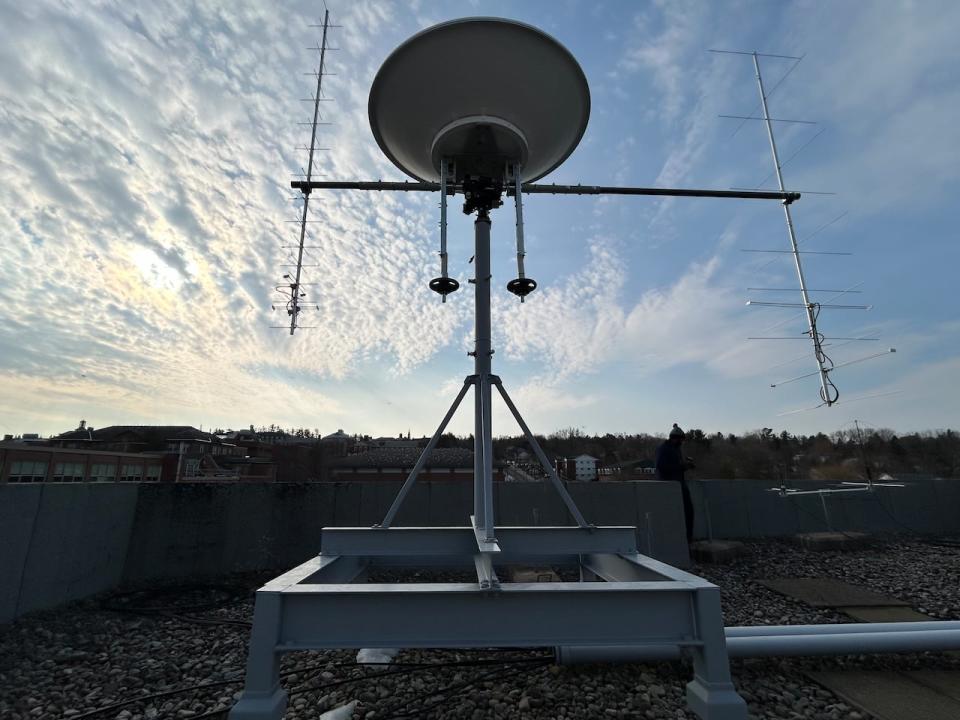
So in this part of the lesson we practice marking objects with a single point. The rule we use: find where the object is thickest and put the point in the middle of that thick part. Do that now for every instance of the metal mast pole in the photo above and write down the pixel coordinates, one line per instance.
(483, 426)
(295, 287)
(808, 306)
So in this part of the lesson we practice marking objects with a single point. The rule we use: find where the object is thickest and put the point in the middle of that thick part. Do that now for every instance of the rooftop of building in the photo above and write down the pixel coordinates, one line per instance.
(179, 651)
(35, 448)
(141, 433)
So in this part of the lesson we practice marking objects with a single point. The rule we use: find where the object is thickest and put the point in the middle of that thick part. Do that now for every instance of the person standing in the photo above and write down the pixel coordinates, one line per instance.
(671, 465)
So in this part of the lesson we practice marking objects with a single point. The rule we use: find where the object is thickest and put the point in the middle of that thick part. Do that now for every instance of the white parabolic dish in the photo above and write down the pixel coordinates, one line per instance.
(523, 87)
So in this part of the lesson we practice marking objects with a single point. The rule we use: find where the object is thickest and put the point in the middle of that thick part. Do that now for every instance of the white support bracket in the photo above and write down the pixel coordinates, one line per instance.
(486, 575)
(484, 544)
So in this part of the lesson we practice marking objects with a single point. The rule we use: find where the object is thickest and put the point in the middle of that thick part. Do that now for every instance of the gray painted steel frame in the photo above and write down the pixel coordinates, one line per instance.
(462, 541)
(625, 599)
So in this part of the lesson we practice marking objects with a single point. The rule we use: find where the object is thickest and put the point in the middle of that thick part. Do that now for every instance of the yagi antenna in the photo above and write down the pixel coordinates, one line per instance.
(829, 394)
(291, 292)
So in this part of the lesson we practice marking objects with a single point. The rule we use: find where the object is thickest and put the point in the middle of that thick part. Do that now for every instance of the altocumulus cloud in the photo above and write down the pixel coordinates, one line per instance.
(144, 153)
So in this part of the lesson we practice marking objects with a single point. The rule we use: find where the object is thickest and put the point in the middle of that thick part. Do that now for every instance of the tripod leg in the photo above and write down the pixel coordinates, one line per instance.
(551, 471)
(479, 510)
(487, 477)
(412, 477)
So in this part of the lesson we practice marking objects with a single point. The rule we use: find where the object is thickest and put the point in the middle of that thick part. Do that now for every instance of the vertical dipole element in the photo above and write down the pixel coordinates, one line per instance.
(522, 285)
(518, 200)
(443, 219)
(295, 286)
(482, 352)
(827, 390)
(443, 285)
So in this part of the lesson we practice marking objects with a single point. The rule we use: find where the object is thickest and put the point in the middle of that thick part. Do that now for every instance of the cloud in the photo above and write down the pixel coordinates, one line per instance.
(585, 322)
(665, 34)
(143, 157)
(569, 326)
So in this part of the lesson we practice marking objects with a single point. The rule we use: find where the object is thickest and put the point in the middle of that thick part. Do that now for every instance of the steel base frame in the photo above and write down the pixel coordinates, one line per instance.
(623, 598)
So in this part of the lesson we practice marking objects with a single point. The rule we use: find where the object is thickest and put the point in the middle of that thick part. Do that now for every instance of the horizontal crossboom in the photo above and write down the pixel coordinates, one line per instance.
(533, 189)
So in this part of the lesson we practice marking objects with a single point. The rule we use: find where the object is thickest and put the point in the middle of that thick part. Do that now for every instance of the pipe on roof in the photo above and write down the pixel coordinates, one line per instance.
(790, 641)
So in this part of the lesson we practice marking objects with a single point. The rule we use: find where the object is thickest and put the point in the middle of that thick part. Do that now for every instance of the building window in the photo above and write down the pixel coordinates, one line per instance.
(153, 473)
(28, 471)
(68, 472)
(103, 472)
(131, 473)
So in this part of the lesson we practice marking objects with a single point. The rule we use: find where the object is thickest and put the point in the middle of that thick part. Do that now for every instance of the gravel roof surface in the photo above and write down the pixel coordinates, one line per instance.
(94, 654)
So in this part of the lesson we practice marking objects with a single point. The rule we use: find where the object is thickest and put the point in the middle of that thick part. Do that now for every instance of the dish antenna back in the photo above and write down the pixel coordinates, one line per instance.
(485, 93)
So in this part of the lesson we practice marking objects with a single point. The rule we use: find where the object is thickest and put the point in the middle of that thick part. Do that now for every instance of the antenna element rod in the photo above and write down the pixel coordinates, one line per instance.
(443, 219)
(517, 195)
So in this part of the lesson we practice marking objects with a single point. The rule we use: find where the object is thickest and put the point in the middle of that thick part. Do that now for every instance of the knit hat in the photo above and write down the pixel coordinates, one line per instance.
(676, 432)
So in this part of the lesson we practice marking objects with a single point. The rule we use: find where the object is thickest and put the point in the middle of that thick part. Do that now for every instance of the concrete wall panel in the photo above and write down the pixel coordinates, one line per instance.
(191, 530)
(531, 503)
(76, 543)
(18, 514)
(660, 524)
(64, 541)
(748, 508)
(451, 503)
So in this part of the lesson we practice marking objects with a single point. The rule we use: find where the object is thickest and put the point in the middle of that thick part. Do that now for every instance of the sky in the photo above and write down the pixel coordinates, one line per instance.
(146, 150)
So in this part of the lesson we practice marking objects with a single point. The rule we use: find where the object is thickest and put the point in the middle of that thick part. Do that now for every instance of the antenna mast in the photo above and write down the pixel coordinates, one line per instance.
(828, 391)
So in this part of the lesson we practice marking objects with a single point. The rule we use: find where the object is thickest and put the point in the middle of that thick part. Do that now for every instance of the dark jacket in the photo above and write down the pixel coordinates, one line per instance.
(670, 463)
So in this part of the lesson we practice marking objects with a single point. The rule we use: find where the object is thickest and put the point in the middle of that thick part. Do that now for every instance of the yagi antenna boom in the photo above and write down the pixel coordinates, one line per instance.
(294, 304)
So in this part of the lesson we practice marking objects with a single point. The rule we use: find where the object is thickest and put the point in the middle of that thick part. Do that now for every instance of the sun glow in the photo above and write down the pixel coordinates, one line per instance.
(155, 272)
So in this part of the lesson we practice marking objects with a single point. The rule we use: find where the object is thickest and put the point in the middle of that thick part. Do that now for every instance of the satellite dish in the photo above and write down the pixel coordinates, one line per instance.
(483, 92)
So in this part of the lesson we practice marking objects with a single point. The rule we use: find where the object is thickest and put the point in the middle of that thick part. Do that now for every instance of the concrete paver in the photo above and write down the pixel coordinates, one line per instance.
(717, 551)
(828, 592)
(832, 540)
(896, 695)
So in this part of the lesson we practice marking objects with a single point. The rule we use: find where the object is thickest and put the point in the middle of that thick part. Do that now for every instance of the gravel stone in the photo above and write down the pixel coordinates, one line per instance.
(83, 656)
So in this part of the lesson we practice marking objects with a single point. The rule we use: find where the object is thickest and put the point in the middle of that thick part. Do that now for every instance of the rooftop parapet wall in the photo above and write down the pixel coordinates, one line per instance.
(187, 530)
(64, 541)
(749, 509)
(61, 542)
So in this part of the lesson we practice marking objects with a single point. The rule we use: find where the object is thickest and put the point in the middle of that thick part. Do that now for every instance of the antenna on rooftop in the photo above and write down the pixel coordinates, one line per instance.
(829, 394)
(485, 107)
(492, 130)
(291, 290)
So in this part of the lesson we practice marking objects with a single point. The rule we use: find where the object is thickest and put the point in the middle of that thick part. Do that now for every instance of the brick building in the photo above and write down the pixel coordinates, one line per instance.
(20, 462)
(171, 453)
